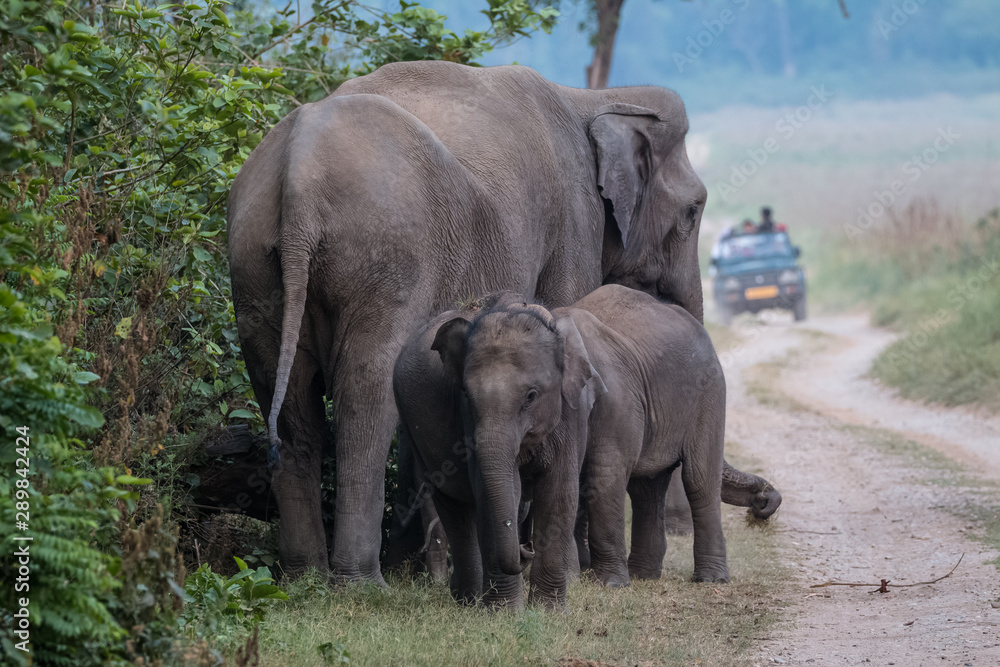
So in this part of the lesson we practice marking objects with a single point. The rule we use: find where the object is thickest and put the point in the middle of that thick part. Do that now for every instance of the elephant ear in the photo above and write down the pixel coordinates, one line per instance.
(581, 383)
(449, 343)
(622, 156)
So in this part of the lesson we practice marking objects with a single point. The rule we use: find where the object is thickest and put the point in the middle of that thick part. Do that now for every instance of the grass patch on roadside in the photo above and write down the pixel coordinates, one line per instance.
(937, 281)
(670, 621)
(761, 381)
(970, 498)
(950, 472)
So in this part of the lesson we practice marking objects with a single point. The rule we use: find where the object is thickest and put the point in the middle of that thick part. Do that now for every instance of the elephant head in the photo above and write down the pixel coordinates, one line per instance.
(652, 197)
(526, 375)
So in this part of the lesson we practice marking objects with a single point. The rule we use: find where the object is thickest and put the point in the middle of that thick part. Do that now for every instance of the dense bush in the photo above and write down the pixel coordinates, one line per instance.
(121, 128)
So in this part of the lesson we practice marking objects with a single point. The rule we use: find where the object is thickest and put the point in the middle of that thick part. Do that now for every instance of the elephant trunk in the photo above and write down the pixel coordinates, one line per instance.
(745, 490)
(682, 283)
(501, 484)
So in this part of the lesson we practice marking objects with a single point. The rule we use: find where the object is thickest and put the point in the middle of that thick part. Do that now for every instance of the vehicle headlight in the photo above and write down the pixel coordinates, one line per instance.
(731, 283)
(788, 276)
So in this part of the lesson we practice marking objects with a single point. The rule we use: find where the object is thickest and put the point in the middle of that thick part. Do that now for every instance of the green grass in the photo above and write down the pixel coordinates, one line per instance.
(760, 380)
(945, 470)
(940, 288)
(670, 621)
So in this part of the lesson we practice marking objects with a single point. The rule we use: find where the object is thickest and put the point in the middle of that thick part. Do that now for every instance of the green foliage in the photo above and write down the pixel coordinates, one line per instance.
(121, 129)
(149, 600)
(73, 506)
(211, 598)
(334, 653)
(73, 510)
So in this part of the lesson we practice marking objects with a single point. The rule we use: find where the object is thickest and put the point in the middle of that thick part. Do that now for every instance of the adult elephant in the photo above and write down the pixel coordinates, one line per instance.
(360, 216)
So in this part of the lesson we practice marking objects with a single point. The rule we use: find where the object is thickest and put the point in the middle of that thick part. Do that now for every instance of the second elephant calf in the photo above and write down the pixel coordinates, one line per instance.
(511, 402)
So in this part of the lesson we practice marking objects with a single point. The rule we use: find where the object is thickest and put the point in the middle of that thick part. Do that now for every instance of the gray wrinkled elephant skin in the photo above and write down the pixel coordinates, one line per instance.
(596, 400)
(360, 216)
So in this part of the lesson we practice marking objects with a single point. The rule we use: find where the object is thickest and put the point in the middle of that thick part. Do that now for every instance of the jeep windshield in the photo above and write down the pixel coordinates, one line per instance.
(755, 249)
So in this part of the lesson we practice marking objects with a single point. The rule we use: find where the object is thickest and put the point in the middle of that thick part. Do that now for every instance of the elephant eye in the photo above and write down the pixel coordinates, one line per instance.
(692, 216)
(531, 396)
(687, 224)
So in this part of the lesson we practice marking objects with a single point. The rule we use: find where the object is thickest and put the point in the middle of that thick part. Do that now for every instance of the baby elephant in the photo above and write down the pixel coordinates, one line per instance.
(619, 387)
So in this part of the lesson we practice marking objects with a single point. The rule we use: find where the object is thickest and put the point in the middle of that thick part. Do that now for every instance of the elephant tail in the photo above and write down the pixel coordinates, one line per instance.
(745, 490)
(295, 280)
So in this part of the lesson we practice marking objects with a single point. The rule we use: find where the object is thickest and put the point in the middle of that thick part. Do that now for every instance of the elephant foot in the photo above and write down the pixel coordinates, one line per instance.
(498, 604)
(639, 572)
(505, 593)
(339, 579)
(291, 569)
(549, 602)
(614, 580)
(466, 596)
(711, 575)
(367, 586)
(464, 599)
(341, 573)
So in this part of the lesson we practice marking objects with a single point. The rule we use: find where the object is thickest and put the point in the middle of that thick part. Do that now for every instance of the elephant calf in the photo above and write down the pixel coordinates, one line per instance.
(619, 387)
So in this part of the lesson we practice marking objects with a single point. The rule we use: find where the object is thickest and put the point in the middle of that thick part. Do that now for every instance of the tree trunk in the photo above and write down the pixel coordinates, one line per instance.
(608, 12)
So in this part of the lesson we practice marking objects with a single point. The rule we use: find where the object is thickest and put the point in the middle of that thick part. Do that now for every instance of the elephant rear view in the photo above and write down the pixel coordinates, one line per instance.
(360, 216)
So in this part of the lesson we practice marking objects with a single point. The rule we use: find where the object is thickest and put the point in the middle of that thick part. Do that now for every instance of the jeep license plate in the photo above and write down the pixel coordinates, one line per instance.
(765, 292)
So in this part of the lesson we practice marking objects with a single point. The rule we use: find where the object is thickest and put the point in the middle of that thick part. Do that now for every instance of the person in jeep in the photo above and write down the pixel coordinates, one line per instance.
(759, 270)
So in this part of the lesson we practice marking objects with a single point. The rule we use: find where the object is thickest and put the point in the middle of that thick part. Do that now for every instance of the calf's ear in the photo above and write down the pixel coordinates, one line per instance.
(581, 383)
(449, 343)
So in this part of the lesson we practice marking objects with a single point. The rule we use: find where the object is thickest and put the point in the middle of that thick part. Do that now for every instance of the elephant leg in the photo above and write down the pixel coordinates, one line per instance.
(435, 547)
(459, 522)
(555, 501)
(295, 481)
(606, 530)
(676, 510)
(503, 591)
(581, 532)
(702, 476)
(365, 417)
(611, 454)
(649, 539)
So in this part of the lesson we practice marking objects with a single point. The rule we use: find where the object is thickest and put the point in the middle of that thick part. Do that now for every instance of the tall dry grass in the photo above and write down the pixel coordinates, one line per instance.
(935, 278)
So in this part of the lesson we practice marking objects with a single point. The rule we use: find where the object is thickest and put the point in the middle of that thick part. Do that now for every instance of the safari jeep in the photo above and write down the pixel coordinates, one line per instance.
(757, 271)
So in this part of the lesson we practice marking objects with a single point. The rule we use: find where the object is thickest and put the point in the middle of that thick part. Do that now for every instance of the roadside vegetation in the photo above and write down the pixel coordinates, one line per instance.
(936, 280)
(122, 126)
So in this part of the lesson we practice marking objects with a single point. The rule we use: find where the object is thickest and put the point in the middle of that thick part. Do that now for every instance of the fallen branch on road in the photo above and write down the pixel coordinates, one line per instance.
(884, 585)
(810, 532)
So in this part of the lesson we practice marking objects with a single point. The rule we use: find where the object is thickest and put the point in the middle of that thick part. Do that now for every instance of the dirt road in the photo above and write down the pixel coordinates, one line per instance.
(874, 488)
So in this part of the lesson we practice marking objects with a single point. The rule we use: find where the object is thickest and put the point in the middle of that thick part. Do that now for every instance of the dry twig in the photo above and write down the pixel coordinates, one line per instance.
(809, 532)
(884, 585)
